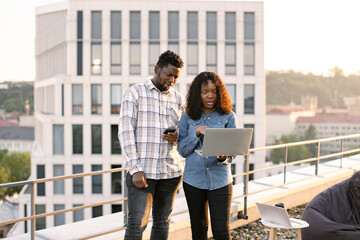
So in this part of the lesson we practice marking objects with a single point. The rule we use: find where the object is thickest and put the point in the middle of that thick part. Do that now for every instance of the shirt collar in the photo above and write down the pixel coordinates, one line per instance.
(150, 85)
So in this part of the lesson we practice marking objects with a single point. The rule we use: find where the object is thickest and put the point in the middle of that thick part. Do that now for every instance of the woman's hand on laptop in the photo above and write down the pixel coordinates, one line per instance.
(223, 157)
(201, 130)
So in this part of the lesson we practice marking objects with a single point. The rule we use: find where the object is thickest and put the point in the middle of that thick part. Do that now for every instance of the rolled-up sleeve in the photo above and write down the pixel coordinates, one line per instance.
(126, 133)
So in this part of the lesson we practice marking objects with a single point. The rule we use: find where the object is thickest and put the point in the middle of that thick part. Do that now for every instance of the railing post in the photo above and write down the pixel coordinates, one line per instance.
(125, 210)
(342, 150)
(285, 161)
(32, 210)
(243, 215)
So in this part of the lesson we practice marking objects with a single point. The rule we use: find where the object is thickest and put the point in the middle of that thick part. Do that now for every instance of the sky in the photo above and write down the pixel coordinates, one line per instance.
(300, 35)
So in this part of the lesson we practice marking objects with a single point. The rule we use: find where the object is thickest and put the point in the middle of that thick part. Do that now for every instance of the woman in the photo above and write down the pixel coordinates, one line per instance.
(207, 181)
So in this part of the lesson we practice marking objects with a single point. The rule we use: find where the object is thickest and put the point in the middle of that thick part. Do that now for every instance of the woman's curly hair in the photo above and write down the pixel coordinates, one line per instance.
(193, 99)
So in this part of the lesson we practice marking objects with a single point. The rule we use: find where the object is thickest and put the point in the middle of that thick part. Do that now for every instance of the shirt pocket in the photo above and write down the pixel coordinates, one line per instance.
(219, 123)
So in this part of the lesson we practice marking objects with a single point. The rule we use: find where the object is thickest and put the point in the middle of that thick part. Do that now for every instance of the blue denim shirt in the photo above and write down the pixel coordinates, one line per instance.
(203, 172)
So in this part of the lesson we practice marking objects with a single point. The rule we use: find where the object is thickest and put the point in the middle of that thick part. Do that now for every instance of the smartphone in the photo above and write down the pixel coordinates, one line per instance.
(166, 131)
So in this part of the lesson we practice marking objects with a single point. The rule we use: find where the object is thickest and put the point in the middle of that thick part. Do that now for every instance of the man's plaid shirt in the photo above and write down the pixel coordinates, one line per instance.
(145, 113)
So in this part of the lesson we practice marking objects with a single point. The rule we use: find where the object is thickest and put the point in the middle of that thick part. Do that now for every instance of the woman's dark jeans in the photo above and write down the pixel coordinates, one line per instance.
(160, 194)
(218, 201)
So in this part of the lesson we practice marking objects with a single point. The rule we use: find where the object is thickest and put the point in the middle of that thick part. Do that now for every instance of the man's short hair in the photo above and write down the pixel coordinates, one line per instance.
(169, 57)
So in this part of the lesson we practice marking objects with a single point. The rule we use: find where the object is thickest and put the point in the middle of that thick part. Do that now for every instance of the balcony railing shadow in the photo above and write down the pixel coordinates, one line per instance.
(315, 161)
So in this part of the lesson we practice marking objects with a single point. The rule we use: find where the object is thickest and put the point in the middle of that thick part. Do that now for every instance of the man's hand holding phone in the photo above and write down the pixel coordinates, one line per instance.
(170, 134)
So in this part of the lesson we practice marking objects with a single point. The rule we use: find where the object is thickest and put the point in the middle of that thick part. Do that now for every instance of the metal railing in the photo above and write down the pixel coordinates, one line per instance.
(246, 175)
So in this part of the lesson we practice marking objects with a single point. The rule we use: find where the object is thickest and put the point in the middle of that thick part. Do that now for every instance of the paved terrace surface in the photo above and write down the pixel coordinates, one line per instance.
(291, 195)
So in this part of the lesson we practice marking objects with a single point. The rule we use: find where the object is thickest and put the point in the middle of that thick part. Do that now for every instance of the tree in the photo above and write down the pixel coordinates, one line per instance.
(310, 134)
(14, 167)
(294, 153)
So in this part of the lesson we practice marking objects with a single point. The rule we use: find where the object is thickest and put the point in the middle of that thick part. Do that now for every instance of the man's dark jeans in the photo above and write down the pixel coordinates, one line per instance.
(160, 194)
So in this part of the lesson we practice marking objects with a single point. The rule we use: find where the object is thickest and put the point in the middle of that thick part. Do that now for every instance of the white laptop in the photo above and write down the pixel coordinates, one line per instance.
(273, 216)
(226, 141)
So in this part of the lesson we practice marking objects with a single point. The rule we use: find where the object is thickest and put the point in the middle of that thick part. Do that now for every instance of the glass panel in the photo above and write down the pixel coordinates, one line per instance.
(253, 135)
(230, 59)
(249, 61)
(135, 60)
(78, 183)
(96, 99)
(116, 208)
(59, 185)
(249, 28)
(116, 58)
(115, 25)
(79, 58)
(115, 144)
(59, 219)
(249, 93)
(230, 26)
(79, 24)
(96, 25)
(77, 139)
(96, 58)
(192, 63)
(77, 99)
(154, 52)
(192, 25)
(173, 25)
(211, 57)
(40, 173)
(173, 46)
(116, 180)
(134, 25)
(154, 25)
(115, 96)
(96, 143)
(78, 215)
(40, 223)
(211, 25)
(96, 179)
(232, 91)
(58, 139)
(97, 211)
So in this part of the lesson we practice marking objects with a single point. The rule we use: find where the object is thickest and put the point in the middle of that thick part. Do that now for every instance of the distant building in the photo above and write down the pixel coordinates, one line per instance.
(331, 126)
(353, 105)
(88, 52)
(19, 139)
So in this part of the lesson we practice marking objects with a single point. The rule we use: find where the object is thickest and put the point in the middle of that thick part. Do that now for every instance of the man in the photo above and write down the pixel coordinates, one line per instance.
(153, 172)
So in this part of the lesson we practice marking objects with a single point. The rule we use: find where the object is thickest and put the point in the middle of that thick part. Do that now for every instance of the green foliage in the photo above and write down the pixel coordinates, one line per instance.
(294, 153)
(13, 98)
(14, 167)
(285, 87)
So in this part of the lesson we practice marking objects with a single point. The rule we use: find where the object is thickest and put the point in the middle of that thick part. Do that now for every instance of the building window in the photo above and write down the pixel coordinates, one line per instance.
(97, 211)
(40, 223)
(96, 139)
(135, 47)
(79, 43)
(154, 39)
(249, 43)
(232, 91)
(230, 43)
(116, 208)
(253, 135)
(233, 172)
(192, 47)
(249, 97)
(78, 215)
(40, 173)
(116, 181)
(115, 51)
(59, 185)
(59, 219)
(251, 168)
(173, 31)
(96, 46)
(78, 183)
(77, 99)
(115, 143)
(211, 41)
(96, 99)
(77, 139)
(96, 179)
(58, 139)
(115, 96)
